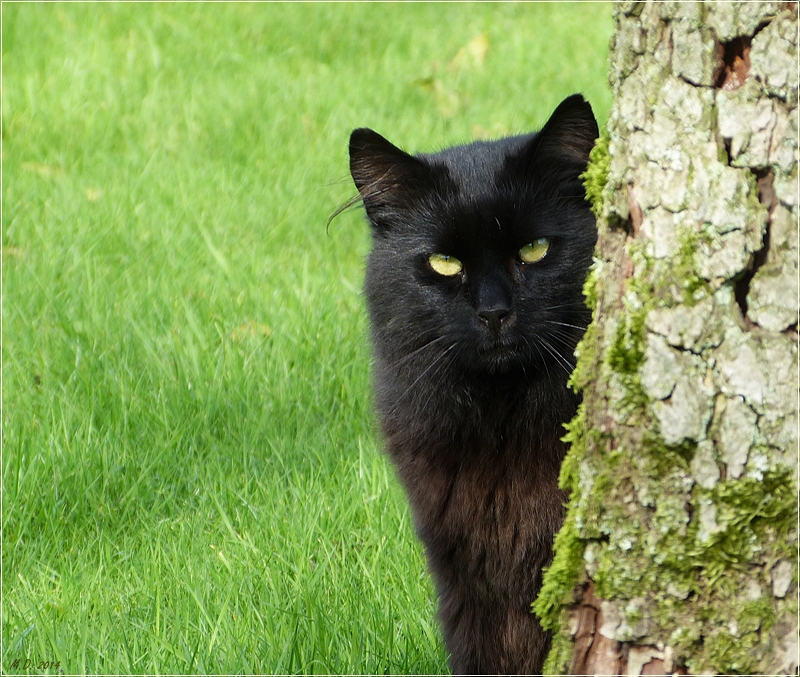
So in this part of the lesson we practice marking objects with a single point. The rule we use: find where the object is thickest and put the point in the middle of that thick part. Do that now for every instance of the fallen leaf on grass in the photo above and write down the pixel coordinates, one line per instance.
(12, 251)
(496, 131)
(447, 101)
(47, 171)
(250, 329)
(471, 55)
(93, 194)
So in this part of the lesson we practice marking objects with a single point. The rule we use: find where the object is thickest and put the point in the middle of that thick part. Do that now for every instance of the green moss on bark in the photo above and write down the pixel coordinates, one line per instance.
(560, 654)
(596, 175)
(563, 576)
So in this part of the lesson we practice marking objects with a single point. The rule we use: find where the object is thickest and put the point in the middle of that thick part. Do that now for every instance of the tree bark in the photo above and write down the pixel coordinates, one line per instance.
(679, 551)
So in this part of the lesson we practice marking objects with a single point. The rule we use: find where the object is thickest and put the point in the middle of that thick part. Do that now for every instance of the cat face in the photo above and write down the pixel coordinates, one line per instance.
(479, 251)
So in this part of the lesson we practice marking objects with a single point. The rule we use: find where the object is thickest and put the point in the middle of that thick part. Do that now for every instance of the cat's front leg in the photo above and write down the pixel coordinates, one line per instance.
(491, 636)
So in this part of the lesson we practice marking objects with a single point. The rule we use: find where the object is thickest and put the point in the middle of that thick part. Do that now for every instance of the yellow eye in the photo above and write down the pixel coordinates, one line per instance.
(445, 265)
(535, 251)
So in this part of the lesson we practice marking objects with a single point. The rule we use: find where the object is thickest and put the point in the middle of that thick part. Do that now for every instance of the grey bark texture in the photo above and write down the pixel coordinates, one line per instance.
(679, 551)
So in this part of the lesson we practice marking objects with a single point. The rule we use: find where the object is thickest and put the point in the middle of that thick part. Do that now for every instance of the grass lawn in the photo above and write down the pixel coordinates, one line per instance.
(191, 479)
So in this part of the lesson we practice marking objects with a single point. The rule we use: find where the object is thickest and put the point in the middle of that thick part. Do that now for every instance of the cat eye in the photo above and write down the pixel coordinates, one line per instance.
(445, 265)
(535, 251)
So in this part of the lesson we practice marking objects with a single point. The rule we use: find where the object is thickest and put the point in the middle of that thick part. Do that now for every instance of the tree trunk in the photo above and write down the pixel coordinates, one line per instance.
(679, 551)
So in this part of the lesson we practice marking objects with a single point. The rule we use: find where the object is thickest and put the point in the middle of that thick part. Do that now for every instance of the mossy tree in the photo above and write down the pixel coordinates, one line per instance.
(679, 551)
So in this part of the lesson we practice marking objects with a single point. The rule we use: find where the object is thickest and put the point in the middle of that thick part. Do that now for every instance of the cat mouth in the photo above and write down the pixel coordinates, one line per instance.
(500, 357)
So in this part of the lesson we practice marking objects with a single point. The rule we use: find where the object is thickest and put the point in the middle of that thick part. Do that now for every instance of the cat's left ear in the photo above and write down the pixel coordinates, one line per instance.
(388, 179)
(569, 134)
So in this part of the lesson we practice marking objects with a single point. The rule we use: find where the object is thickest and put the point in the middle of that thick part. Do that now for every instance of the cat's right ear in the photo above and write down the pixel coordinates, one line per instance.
(388, 179)
(570, 133)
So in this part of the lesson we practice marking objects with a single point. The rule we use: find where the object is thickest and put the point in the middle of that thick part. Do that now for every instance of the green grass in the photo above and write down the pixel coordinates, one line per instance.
(191, 477)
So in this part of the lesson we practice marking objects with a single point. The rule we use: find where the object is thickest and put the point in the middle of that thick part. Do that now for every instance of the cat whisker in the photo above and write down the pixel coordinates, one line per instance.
(560, 359)
(371, 191)
(352, 202)
(567, 347)
(441, 368)
(580, 305)
(541, 355)
(566, 335)
(565, 324)
(441, 355)
(561, 197)
(416, 351)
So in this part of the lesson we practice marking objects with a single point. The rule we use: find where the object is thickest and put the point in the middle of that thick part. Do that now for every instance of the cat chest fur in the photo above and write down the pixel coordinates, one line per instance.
(482, 492)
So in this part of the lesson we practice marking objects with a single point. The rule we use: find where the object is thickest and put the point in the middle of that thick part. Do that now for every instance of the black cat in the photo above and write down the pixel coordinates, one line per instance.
(474, 291)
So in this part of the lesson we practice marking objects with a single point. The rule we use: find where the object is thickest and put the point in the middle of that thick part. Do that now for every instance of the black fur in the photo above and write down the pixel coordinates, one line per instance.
(471, 369)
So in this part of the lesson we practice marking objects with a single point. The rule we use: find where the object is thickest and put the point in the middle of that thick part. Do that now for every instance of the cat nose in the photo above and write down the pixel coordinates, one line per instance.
(494, 316)
(493, 300)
